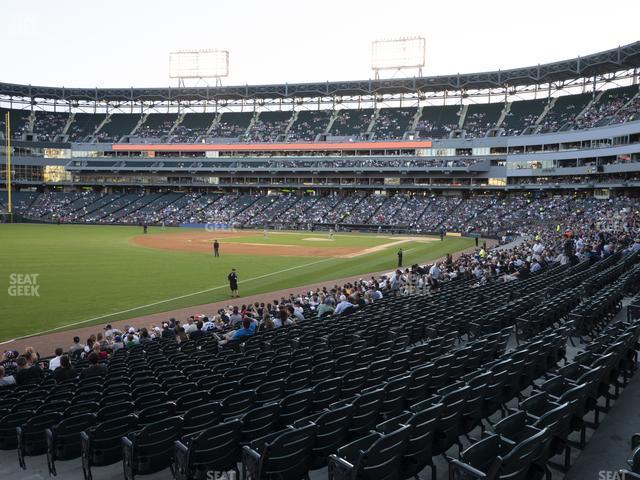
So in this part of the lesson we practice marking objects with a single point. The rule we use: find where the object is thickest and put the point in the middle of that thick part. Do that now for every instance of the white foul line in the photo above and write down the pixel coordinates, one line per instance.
(162, 301)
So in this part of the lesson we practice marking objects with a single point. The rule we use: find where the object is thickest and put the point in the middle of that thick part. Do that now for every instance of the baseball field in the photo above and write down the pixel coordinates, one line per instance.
(65, 276)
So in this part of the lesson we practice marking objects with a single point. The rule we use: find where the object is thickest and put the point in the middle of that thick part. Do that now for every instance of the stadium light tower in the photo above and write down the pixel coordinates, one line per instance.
(398, 55)
(199, 65)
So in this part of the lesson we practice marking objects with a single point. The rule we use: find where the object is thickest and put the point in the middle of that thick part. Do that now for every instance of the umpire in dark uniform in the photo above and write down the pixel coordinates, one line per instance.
(400, 257)
(216, 248)
(233, 283)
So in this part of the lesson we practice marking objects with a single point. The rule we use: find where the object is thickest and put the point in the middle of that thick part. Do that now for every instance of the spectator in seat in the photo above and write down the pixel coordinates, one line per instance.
(28, 374)
(109, 331)
(94, 369)
(191, 326)
(77, 346)
(6, 380)
(282, 320)
(65, 371)
(343, 305)
(246, 331)
(296, 313)
(131, 341)
(9, 360)
(132, 331)
(104, 344)
(435, 275)
(117, 344)
(55, 361)
(267, 322)
(102, 354)
(197, 333)
(182, 335)
(326, 307)
(297, 305)
(33, 357)
(167, 331)
(235, 319)
(144, 336)
(208, 324)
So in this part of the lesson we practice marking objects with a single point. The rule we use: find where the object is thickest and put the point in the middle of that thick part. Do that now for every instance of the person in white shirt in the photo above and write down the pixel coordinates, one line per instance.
(132, 331)
(435, 274)
(191, 326)
(282, 319)
(109, 331)
(55, 361)
(208, 324)
(397, 282)
(538, 248)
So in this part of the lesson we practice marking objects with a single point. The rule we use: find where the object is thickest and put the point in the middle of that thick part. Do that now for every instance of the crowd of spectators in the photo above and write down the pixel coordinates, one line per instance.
(341, 211)
(554, 231)
(269, 213)
(371, 162)
(629, 113)
(47, 125)
(562, 113)
(392, 123)
(308, 125)
(606, 178)
(305, 211)
(439, 210)
(487, 214)
(230, 126)
(428, 128)
(476, 125)
(268, 129)
(601, 112)
(157, 127)
(411, 212)
(616, 105)
(352, 122)
(388, 210)
(365, 209)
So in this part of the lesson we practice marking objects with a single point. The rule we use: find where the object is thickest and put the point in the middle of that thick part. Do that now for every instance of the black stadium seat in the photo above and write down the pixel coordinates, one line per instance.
(286, 454)
(32, 438)
(376, 455)
(63, 439)
(150, 449)
(216, 448)
(101, 444)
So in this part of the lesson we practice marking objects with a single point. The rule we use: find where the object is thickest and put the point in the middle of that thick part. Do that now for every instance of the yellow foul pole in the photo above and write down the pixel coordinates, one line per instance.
(8, 174)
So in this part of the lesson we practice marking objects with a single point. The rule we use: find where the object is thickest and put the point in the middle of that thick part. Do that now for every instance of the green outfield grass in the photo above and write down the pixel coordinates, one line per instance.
(85, 272)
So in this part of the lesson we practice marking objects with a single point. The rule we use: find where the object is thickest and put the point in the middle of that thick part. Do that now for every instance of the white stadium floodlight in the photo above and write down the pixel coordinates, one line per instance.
(398, 54)
(199, 65)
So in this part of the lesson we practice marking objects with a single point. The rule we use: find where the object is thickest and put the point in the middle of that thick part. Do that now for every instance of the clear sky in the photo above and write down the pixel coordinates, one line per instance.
(121, 43)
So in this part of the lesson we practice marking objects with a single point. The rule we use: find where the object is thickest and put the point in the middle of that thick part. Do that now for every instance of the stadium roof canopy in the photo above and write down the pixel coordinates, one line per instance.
(610, 61)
